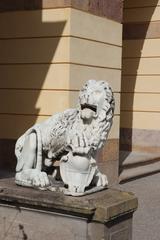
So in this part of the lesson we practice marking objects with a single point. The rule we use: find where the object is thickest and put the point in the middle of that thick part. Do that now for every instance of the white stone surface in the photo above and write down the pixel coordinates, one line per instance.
(73, 137)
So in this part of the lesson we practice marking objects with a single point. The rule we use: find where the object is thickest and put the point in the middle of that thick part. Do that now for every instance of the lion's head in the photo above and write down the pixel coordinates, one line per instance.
(96, 100)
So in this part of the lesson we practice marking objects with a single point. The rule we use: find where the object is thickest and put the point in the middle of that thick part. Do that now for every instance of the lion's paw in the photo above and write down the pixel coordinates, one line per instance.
(40, 179)
(102, 180)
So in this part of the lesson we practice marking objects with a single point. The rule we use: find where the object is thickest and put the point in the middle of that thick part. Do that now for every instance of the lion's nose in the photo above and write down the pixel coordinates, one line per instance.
(90, 99)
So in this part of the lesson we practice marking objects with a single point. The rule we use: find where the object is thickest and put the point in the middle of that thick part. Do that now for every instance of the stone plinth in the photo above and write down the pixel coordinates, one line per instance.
(32, 214)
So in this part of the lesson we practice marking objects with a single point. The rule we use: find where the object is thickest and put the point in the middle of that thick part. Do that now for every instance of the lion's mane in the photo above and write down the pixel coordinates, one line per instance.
(101, 125)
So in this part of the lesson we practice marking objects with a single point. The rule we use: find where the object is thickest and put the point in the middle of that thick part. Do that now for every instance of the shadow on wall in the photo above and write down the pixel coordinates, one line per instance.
(132, 31)
(24, 75)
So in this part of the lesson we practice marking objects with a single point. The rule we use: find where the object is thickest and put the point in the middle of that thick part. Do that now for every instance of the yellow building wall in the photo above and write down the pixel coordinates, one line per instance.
(41, 54)
(140, 98)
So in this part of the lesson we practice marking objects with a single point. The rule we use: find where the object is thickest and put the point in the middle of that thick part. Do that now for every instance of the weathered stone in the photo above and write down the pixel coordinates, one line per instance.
(104, 8)
(103, 215)
(102, 206)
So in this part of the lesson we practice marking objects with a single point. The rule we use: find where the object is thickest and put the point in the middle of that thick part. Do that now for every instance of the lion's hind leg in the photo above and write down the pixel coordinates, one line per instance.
(28, 175)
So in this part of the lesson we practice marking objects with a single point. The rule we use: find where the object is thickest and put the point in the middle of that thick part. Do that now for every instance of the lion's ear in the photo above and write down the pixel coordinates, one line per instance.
(90, 81)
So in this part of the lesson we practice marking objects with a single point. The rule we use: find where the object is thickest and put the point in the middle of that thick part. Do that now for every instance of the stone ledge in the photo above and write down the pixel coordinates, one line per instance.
(101, 207)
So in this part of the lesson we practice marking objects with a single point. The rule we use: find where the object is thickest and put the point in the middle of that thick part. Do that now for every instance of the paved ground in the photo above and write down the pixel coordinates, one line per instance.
(146, 222)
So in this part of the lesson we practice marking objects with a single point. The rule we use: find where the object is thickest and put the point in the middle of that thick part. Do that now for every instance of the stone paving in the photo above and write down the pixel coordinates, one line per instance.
(146, 221)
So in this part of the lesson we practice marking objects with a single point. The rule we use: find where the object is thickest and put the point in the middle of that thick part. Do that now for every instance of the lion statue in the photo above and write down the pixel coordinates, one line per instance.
(73, 137)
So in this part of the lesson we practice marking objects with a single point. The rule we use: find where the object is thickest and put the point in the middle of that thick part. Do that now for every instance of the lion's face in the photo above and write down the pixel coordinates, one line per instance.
(94, 96)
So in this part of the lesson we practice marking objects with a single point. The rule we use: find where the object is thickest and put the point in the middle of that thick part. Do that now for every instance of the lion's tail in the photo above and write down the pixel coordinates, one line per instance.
(39, 149)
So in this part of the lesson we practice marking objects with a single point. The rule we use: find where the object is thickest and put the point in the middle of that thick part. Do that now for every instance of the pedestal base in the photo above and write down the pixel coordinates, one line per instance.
(32, 214)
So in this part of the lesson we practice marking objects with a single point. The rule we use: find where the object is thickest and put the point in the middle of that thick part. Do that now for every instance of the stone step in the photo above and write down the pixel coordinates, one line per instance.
(137, 164)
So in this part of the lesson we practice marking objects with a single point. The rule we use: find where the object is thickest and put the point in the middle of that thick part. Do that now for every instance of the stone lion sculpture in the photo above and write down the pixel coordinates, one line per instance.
(73, 137)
